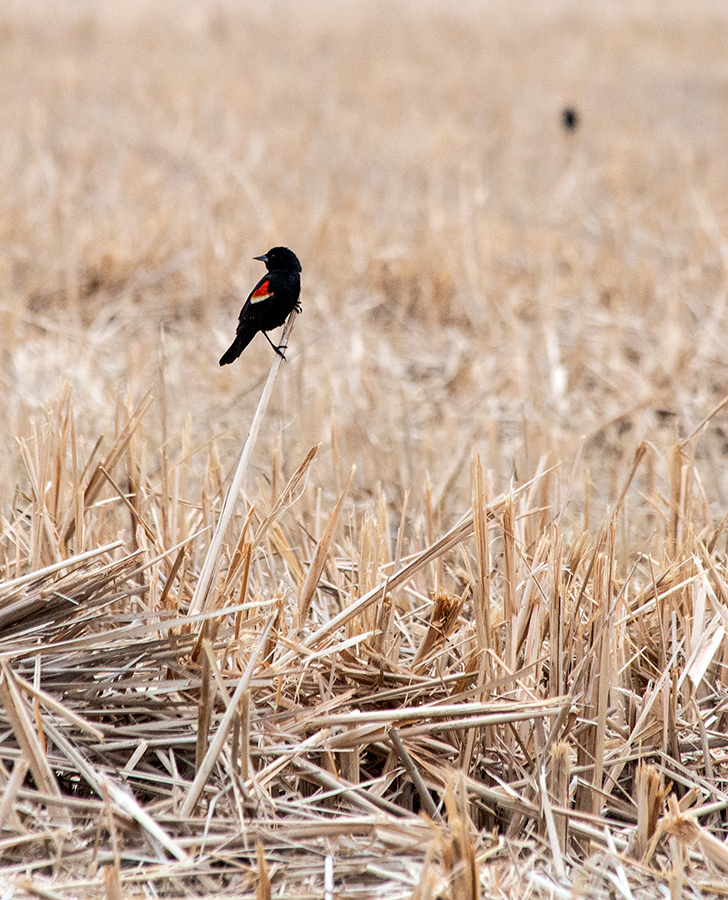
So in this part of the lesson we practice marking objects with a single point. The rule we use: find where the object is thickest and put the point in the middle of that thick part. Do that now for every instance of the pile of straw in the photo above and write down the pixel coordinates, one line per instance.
(513, 705)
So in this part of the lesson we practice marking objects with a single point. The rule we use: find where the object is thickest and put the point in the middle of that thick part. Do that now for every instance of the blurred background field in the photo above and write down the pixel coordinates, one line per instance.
(478, 282)
(475, 278)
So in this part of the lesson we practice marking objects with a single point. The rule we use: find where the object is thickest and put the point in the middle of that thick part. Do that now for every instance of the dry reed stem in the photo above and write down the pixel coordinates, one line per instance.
(458, 849)
(559, 778)
(200, 598)
(319, 560)
(28, 739)
(10, 794)
(213, 751)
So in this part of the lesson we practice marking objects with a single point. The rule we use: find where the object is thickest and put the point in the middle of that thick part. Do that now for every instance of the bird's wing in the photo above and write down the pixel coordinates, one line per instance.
(262, 290)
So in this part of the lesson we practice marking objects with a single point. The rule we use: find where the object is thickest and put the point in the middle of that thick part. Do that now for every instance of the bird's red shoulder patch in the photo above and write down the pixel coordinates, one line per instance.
(262, 292)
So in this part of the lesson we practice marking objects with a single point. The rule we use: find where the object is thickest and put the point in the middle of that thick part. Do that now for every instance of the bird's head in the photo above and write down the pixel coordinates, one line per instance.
(280, 258)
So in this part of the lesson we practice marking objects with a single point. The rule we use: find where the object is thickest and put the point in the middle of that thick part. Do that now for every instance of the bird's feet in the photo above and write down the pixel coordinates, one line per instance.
(278, 348)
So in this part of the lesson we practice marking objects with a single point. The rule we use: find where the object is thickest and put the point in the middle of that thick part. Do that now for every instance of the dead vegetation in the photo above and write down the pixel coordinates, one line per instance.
(459, 628)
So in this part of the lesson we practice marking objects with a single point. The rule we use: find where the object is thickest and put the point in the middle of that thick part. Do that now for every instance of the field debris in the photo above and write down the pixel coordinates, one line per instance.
(396, 728)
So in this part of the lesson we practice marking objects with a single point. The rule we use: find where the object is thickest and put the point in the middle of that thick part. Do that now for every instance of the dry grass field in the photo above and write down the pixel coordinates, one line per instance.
(466, 633)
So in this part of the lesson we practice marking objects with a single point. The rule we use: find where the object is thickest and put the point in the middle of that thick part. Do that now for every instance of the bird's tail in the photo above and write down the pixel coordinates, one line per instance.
(236, 348)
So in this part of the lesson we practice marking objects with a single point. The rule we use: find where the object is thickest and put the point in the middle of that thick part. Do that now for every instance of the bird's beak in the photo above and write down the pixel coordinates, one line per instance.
(263, 258)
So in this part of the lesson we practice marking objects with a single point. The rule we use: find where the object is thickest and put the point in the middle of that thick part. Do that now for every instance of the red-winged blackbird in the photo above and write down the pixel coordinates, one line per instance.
(270, 302)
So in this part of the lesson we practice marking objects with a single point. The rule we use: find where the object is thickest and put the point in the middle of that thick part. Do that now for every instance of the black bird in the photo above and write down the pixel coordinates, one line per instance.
(570, 118)
(270, 302)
